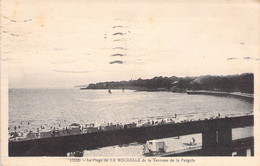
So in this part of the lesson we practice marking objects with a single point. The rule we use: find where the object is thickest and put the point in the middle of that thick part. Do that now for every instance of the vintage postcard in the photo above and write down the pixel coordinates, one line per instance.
(130, 82)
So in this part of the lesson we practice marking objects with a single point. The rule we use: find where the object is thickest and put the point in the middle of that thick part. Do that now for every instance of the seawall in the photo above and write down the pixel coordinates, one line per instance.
(60, 146)
(243, 96)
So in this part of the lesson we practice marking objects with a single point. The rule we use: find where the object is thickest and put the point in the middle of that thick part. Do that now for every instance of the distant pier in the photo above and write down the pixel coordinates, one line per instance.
(239, 95)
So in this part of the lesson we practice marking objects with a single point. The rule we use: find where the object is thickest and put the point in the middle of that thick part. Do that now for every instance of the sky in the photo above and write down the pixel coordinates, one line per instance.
(62, 43)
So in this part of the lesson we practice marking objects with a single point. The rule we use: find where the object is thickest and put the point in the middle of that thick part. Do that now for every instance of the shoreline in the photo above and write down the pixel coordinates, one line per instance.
(239, 95)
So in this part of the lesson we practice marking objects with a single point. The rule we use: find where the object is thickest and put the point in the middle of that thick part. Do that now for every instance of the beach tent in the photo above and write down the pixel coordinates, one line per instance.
(156, 146)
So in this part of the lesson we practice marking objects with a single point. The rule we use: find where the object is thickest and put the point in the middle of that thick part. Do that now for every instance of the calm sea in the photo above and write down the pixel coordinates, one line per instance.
(65, 106)
(49, 106)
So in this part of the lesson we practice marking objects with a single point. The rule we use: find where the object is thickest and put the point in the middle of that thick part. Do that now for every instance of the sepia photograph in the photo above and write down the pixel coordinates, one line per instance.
(129, 78)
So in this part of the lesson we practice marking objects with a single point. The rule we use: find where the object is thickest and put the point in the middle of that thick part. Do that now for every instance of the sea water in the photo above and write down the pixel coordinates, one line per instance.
(31, 108)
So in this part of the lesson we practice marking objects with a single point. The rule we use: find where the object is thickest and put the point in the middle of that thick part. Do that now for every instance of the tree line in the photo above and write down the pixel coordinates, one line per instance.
(239, 83)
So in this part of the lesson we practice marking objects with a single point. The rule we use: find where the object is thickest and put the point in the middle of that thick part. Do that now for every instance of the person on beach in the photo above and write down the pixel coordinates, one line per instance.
(219, 115)
(193, 140)
(175, 116)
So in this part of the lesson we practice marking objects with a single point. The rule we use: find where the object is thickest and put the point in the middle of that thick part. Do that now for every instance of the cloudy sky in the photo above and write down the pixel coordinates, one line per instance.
(49, 44)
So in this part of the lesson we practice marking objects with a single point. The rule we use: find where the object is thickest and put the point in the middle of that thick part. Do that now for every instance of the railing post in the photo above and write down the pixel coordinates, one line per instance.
(217, 139)
(224, 141)
(209, 142)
